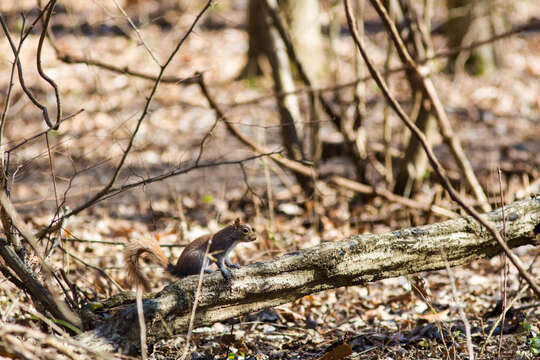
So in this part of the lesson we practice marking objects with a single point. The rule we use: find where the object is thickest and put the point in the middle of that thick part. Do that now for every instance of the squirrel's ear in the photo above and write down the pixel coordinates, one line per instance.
(237, 222)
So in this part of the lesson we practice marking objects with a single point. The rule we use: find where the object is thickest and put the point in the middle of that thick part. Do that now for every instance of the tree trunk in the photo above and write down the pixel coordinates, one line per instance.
(304, 28)
(469, 21)
(415, 163)
(353, 261)
(413, 169)
(258, 45)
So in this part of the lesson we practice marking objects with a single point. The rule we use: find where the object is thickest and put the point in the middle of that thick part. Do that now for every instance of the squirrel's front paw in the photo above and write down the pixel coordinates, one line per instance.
(226, 274)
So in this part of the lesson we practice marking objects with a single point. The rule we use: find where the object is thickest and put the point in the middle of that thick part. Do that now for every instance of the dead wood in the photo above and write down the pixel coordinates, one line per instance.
(353, 261)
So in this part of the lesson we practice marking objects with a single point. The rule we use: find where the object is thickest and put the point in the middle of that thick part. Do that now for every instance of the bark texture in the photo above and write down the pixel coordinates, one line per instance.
(352, 261)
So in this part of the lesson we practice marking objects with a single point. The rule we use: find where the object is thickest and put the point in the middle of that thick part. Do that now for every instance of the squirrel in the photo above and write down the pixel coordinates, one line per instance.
(191, 260)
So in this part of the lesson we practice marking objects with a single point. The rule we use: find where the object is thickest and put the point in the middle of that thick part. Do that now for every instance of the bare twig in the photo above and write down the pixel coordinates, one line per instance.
(196, 300)
(137, 32)
(205, 137)
(505, 265)
(439, 170)
(5, 112)
(142, 323)
(97, 268)
(114, 243)
(390, 196)
(51, 168)
(4, 165)
(45, 77)
(459, 305)
(246, 181)
(499, 319)
(41, 133)
(123, 188)
(72, 59)
(16, 50)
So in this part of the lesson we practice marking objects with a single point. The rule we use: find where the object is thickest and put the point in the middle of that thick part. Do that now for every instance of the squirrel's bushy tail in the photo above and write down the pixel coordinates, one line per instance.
(131, 256)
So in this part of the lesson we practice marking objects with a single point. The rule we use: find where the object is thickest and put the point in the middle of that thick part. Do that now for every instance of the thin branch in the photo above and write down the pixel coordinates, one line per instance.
(4, 115)
(532, 25)
(51, 168)
(439, 170)
(41, 133)
(499, 319)
(505, 265)
(16, 50)
(142, 323)
(123, 188)
(114, 243)
(205, 137)
(44, 76)
(246, 181)
(459, 306)
(97, 268)
(72, 59)
(197, 297)
(390, 196)
(4, 165)
(137, 32)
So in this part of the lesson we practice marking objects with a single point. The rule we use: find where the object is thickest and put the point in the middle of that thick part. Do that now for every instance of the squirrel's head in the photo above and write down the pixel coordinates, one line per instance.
(244, 232)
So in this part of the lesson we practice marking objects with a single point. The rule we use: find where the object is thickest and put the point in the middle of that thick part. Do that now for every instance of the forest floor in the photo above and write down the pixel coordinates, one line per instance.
(496, 117)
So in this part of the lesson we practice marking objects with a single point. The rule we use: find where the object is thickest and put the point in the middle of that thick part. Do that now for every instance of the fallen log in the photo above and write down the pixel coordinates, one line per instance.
(353, 261)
